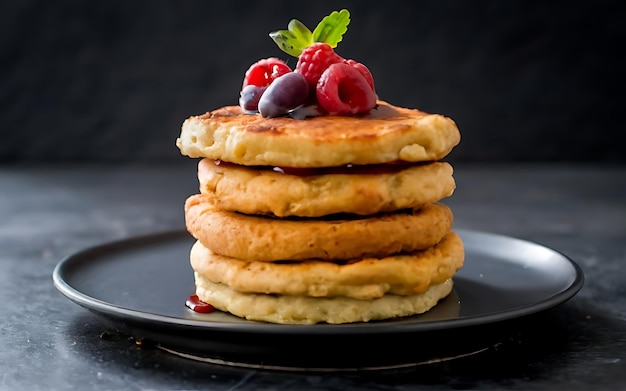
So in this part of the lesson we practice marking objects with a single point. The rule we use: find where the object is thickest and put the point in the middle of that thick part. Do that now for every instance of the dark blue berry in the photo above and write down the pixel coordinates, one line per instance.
(249, 98)
(284, 94)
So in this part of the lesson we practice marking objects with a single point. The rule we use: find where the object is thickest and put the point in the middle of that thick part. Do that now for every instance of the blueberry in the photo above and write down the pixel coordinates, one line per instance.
(284, 94)
(249, 98)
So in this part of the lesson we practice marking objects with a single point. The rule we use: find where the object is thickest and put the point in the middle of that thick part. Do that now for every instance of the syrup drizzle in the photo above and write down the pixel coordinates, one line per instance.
(381, 168)
(195, 304)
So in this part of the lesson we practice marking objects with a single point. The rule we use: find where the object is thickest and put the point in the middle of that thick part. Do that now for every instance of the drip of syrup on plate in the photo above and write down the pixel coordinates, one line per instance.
(195, 304)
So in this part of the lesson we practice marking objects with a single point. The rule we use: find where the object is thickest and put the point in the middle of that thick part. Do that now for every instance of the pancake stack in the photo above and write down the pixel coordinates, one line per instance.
(331, 219)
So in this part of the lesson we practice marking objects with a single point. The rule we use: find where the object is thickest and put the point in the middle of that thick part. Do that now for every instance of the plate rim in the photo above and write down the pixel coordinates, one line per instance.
(114, 311)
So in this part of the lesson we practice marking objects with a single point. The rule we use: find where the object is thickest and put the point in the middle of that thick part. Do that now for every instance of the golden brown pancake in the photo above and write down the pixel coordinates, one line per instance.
(262, 238)
(310, 310)
(363, 278)
(362, 190)
(386, 134)
(330, 219)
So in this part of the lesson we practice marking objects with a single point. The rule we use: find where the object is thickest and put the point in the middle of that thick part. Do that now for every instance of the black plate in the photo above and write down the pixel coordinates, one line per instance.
(141, 284)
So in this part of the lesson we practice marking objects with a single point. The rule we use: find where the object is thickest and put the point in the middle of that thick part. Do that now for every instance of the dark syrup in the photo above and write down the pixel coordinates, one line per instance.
(381, 168)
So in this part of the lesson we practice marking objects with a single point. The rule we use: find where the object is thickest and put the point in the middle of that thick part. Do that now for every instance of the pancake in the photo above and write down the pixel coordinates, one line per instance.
(311, 310)
(363, 278)
(358, 190)
(261, 238)
(386, 134)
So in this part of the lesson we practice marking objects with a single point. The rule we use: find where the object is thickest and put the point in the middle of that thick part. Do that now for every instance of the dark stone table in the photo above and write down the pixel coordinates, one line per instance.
(49, 343)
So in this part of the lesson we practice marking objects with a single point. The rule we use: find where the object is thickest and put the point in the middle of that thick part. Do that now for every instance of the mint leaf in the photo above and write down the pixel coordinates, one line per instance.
(332, 28)
(287, 42)
(297, 36)
(300, 31)
(293, 40)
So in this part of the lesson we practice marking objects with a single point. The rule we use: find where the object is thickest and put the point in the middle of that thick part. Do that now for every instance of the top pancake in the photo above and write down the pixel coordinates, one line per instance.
(386, 134)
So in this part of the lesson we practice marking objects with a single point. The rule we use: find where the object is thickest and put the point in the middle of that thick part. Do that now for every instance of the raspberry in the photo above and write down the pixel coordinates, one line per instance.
(263, 72)
(363, 70)
(343, 90)
(314, 60)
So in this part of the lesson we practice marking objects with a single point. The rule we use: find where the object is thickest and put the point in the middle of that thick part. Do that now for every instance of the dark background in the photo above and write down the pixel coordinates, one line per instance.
(112, 81)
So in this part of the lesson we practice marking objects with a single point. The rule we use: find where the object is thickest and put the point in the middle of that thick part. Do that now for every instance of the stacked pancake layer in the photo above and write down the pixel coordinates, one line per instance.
(329, 219)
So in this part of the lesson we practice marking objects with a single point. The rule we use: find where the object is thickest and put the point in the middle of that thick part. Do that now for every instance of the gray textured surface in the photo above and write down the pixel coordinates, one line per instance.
(49, 343)
(113, 80)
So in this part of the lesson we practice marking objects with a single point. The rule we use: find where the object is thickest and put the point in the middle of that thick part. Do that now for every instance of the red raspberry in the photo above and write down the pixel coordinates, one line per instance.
(364, 71)
(343, 90)
(314, 60)
(263, 72)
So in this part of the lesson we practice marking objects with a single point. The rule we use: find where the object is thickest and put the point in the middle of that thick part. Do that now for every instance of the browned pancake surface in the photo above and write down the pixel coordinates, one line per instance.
(263, 238)
(387, 134)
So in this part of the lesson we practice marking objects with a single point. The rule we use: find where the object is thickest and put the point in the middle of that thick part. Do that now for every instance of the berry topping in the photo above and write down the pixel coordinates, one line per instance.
(322, 83)
(343, 90)
(249, 98)
(314, 60)
(286, 93)
(263, 72)
(364, 71)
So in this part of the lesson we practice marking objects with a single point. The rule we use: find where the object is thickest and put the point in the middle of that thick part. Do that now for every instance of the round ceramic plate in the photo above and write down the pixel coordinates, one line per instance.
(141, 284)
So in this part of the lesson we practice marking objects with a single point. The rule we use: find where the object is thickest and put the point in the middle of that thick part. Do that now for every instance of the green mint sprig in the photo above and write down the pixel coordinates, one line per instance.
(297, 36)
